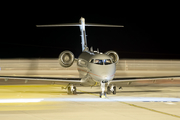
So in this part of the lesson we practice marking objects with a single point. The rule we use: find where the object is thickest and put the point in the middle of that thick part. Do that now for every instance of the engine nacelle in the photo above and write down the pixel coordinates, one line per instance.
(113, 55)
(66, 58)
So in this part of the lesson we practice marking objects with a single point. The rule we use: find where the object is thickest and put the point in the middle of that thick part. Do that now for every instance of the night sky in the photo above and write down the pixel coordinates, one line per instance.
(145, 35)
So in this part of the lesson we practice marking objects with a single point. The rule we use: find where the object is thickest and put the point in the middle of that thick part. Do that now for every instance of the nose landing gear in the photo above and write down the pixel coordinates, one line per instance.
(103, 95)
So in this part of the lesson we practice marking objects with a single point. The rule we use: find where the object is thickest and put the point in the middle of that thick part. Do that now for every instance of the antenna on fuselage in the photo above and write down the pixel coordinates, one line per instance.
(82, 29)
(91, 49)
(97, 50)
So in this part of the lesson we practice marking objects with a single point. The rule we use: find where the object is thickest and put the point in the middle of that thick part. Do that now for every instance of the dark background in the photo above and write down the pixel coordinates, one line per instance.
(147, 33)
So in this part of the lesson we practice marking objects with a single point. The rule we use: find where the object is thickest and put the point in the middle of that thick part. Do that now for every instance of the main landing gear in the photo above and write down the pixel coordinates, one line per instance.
(111, 89)
(71, 89)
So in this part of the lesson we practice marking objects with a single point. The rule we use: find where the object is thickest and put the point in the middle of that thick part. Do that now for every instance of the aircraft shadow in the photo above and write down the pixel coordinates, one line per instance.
(120, 92)
(88, 92)
(46, 92)
(97, 92)
(138, 91)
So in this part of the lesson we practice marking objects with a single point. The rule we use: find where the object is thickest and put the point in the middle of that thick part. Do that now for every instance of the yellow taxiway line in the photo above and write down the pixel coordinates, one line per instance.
(137, 106)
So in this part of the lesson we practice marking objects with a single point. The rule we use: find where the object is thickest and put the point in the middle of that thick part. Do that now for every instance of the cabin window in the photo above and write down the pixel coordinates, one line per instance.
(82, 63)
(107, 61)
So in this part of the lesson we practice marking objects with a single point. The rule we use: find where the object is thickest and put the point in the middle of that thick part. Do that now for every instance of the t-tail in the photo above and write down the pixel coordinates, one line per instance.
(81, 25)
(83, 34)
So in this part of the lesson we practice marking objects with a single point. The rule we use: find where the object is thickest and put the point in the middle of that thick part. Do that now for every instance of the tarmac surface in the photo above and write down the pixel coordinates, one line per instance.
(143, 100)
(49, 102)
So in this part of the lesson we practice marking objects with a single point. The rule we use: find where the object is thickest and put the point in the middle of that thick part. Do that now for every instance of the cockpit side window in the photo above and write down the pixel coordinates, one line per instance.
(98, 61)
(107, 61)
(91, 61)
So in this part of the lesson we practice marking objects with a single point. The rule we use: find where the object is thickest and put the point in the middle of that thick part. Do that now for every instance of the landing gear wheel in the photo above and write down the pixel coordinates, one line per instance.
(120, 88)
(102, 95)
(69, 91)
(74, 92)
(114, 92)
(108, 90)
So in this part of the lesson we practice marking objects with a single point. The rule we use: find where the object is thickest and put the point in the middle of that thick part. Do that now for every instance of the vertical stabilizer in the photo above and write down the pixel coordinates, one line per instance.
(82, 29)
(83, 34)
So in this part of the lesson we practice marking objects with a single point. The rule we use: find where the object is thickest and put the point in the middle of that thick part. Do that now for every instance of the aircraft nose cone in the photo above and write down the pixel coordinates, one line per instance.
(105, 77)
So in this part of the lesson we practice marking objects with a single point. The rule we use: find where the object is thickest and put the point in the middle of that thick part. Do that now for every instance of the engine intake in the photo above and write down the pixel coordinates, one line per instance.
(113, 55)
(66, 58)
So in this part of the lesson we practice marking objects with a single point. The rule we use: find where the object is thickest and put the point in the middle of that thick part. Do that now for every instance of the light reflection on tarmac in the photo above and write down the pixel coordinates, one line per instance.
(50, 102)
(53, 93)
(108, 99)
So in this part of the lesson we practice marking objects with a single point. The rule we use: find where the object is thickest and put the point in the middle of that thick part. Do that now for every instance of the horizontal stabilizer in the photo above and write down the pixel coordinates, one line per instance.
(102, 25)
(81, 25)
(59, 25)
(78, 24)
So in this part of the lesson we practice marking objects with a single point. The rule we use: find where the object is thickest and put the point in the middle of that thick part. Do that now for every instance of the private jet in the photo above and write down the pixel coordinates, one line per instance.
(94, 67)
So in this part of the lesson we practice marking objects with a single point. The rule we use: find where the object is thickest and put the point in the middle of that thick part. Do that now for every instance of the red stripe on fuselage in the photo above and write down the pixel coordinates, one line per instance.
(92, 73)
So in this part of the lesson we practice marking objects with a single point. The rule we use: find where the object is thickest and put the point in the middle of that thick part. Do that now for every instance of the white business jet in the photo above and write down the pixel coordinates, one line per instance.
(95, 68)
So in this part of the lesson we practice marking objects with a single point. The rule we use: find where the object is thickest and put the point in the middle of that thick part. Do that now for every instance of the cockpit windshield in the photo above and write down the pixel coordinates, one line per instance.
(101, 61)
(107, 61)
(98, 61)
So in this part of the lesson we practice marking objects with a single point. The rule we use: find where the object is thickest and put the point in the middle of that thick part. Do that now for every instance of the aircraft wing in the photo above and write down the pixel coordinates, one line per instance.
(49, 79)
(144, 78)
(147, 80)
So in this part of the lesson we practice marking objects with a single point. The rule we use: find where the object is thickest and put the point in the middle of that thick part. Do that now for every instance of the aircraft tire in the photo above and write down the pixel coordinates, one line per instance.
(69, 91)
(108, 90)
(114, 92)
(74, 92)
(102, 95)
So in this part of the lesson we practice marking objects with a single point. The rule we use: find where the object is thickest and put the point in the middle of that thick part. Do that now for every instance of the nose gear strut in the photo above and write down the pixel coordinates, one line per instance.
(102, 95)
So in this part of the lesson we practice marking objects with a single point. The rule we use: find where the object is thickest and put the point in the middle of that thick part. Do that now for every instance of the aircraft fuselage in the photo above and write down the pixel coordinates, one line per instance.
(95, 67)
